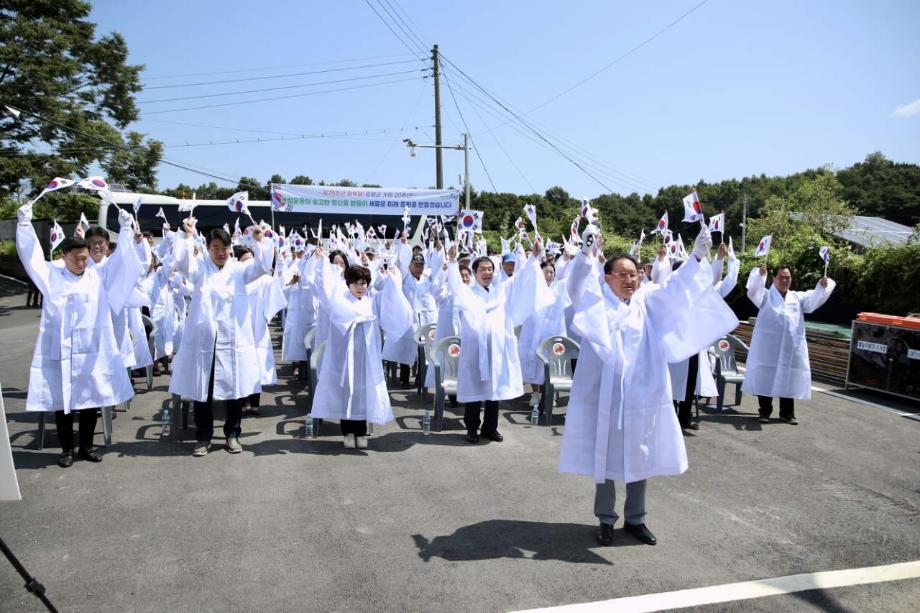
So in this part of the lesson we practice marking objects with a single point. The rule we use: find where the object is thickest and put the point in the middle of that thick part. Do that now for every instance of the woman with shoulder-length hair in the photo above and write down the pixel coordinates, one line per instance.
(352, 387)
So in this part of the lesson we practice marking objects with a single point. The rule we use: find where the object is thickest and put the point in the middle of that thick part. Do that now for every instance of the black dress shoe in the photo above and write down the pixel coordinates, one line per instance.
(694, 426)
(472, 437)
(89, 455)
(493, 436)
(605, 534)
(641, 533)
(66, 459)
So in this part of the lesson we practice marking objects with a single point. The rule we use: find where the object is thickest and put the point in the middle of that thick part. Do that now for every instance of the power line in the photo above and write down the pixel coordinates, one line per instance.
(476, 149)
(525, 124)
(279, 76)
(239, 70)
(619, 176)
(409, 24)
(620, 58)
(390, 28)
(282, 87)
(398, 22)
(326, 91)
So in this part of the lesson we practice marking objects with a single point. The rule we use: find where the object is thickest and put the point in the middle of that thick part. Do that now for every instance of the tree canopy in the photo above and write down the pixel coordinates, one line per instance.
(75, 93)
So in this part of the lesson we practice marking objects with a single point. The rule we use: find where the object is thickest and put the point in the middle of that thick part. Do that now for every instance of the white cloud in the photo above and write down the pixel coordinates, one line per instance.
(908, 110)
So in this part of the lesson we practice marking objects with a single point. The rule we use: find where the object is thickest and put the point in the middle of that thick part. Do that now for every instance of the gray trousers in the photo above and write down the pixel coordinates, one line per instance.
(605, 497)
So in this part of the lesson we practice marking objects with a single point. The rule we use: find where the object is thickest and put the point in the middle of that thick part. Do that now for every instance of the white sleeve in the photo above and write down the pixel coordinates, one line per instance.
(32, 258)
(756, 287)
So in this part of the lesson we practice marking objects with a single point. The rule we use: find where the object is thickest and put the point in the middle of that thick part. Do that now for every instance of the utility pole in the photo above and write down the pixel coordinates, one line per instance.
(439, 166)
(743, 221)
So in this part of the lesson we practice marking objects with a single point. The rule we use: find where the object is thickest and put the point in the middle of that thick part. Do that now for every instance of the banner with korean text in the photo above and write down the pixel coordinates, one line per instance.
(335, 200)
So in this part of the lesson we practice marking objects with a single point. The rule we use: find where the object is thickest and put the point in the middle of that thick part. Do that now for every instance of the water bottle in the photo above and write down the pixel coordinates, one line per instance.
(426, 422)
(166, 423)
(535, 415)
(308, 424)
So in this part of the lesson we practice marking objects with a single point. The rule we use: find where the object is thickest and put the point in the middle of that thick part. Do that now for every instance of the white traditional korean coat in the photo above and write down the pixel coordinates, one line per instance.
(404, 349)
(489, 367)
(777, 364)
(705, 382)
(545, 322)
(266, 299)
(352, 385)
(77, 363)
(620, 422)
(300, 316)
(219, 329)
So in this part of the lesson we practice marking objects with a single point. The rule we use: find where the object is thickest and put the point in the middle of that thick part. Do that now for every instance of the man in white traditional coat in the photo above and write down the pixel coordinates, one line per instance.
(266, 299)
(693, 377)
(352, 388)
(777, 364)
(218, 359)
(620, 424)
(76, 365)
(489, 370)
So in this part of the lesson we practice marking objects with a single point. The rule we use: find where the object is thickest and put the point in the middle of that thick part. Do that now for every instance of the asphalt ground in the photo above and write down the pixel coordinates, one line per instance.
(432, 523)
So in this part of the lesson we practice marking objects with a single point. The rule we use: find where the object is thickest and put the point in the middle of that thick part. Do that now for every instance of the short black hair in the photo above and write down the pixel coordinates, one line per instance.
(96, 231)
(69, 244)
(481, 260)
(336, 252)
(466, 268)
(218, 234)
(240, 250)
(781, 267)
(611, 262)
(547, 264)
(356, 273)
(147, 234)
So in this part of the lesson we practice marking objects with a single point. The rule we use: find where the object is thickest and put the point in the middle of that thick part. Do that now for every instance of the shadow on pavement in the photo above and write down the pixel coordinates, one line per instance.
(740, 421)
(505, 538)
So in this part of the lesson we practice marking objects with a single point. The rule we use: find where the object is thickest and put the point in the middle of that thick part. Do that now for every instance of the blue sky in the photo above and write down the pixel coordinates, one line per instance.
(733, 89)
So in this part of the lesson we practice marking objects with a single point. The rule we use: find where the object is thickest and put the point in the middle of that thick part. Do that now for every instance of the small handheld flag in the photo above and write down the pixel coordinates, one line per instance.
(531, 211)
(57, 235)
(187, 206)
(763, 247)
(470, 220)
(237, 202)
(84, 221)
(662, 224)
(58, 183)
(717, 222)
(92, 183)
(406, 218)
(825, 253)
(137, 205)
(693, 210)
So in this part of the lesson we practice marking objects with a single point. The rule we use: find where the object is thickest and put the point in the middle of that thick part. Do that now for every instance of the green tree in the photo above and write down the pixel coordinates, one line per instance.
(75, 93)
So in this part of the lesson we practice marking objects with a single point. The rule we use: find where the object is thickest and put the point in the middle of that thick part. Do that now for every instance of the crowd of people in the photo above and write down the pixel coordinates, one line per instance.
(643, 331)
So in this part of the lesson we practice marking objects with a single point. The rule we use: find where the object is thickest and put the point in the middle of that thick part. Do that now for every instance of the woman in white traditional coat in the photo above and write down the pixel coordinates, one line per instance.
(620, 423)
(266, 299)
(314, 268)
(698, 368)
(353, 388)
(777, 364)
(489, 370)
(448, 323)
(545, 322)
(218, 358)
(76, 365)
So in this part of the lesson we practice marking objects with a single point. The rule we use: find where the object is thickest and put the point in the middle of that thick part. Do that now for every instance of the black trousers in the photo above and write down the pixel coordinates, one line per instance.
(204, 414)
(254, 401)
(786, 407)
(358, 427)
(685, 406)
(471, 416)
(64, 423)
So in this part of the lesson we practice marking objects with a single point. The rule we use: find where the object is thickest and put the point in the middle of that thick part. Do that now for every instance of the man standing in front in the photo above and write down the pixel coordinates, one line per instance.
(620, 424)
(777, 364)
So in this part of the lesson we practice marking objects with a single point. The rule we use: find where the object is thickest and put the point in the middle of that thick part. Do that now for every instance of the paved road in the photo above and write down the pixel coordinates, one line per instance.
(421, 523)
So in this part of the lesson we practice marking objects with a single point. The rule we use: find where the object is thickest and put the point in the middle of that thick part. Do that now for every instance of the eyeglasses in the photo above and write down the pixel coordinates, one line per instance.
(631, 276)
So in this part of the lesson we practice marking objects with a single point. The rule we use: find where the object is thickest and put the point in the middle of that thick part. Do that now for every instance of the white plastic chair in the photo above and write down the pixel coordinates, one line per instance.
(726, 367)
(424, 337)
(445, 359)
(106, 427)
(556, 353)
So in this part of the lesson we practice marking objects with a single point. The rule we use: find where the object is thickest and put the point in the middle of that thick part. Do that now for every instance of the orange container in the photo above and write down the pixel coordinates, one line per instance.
(890, 320)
